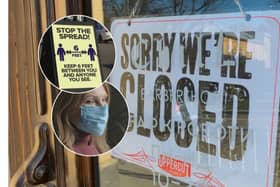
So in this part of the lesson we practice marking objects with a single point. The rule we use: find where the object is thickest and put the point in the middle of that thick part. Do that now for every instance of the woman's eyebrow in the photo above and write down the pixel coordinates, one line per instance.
(100, 95)
(96, 96)
(89, 97)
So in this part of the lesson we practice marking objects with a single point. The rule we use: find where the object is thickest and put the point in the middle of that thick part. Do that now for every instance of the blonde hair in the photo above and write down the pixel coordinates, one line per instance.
(68, 131)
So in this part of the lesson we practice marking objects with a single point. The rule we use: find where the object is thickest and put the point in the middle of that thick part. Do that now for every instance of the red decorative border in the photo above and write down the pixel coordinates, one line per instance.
(140, 157)
(209, 178)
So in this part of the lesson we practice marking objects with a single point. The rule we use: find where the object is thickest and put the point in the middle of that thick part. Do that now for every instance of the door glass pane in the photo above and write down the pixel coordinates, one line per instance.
(115, 172)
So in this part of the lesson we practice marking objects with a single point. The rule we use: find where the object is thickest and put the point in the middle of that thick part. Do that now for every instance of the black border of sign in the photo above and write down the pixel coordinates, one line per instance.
(53, 52)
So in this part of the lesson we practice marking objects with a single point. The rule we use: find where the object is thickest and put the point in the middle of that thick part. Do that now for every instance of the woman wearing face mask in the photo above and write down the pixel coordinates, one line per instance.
(80, 120)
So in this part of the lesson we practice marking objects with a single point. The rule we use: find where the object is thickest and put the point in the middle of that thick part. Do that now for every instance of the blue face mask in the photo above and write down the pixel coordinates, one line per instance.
(94, 119)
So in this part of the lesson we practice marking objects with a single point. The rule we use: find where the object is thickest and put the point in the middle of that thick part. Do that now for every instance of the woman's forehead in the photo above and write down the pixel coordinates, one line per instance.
(100, 91)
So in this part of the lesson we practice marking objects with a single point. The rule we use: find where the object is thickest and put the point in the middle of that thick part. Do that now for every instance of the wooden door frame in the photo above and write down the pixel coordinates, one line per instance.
(31, 95)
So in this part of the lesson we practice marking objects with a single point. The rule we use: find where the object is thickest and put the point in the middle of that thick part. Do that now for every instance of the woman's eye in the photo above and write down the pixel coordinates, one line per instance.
(105, 99)
(89, 101)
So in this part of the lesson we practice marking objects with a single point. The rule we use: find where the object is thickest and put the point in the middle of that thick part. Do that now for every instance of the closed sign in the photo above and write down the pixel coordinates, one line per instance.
(203, 94)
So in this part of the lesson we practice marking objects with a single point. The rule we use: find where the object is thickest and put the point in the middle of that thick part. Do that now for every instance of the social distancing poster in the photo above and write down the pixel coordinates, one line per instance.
(76, 58)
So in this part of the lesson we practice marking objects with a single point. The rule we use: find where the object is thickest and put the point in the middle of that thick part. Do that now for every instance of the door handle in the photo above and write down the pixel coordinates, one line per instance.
(39, 166)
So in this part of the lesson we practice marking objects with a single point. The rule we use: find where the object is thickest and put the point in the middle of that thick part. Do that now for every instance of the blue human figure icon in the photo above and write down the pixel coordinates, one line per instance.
(91, 52)
(60, 52)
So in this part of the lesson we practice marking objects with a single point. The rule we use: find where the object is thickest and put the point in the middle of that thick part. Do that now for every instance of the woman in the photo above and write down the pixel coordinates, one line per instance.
(80, 120)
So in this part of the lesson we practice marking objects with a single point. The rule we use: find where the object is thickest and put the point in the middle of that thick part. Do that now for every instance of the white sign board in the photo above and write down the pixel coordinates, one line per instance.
(203, 94)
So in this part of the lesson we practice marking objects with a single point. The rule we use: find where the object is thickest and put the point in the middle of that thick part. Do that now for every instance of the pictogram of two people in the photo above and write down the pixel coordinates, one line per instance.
(61, 52)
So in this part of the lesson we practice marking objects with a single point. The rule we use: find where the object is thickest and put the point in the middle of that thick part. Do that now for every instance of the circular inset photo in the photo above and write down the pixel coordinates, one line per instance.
(91, 123)
(76, 53)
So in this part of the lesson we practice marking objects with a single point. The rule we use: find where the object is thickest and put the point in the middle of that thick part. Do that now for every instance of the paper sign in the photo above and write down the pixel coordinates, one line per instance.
(76, 56)
(202, 90)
